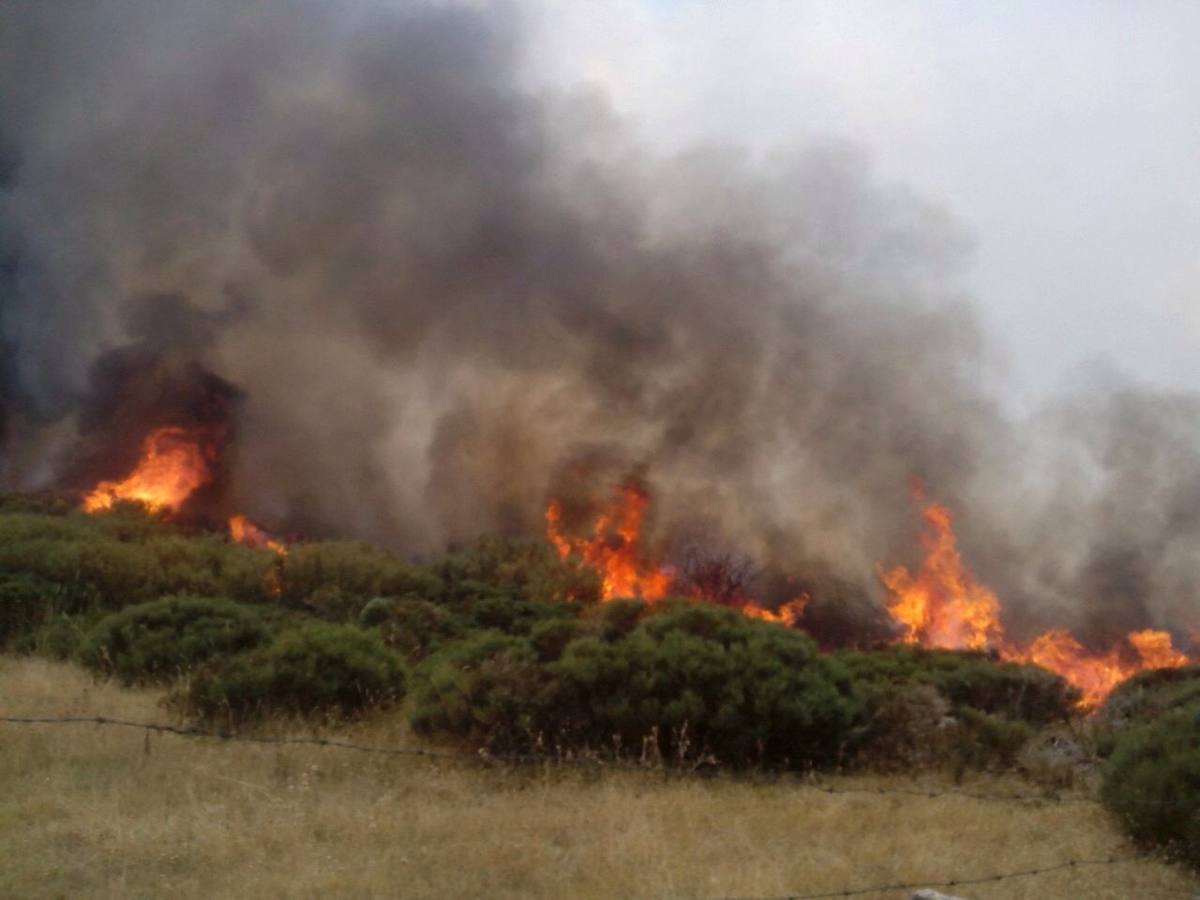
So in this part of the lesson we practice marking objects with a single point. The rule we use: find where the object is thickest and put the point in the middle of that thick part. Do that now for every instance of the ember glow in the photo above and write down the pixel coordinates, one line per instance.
(243, 531)
(943, 606)
(612, 548)
(174, 462)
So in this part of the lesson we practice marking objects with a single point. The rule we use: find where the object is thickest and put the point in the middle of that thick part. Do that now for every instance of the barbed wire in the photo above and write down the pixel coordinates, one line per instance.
(485, 757)
(189, 731)
(1111, 859)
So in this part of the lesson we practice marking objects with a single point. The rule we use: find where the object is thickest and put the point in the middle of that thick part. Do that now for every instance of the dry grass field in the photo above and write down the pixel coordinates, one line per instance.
(90, 811)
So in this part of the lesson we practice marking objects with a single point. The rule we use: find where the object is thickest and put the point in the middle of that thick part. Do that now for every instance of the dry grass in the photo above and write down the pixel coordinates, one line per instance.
(100, 812)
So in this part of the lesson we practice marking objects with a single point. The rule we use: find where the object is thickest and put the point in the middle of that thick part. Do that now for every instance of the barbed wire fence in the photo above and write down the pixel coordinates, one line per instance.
(1113, 857)
(484, 757)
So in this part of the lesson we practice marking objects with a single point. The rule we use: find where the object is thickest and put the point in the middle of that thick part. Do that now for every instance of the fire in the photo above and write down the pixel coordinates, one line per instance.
(1059, 651)
(943, 606)
(173, 464)
(789, 614)
(243, 531)
(612, 548)
(1154, 647)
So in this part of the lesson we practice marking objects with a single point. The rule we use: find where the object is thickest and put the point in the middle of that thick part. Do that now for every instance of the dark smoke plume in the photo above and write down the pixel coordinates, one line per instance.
(443, 294)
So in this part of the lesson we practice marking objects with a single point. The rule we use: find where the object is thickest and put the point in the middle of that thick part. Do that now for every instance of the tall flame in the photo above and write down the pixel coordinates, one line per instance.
(174, 462)
(612, 548)
(944, 606)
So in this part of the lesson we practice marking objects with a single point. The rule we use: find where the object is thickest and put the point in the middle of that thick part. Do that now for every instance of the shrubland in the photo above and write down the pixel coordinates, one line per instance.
(505, 648)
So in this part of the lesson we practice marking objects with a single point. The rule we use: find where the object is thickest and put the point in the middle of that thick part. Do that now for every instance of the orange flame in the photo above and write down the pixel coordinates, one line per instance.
(243, 531)
(173, 464)
(789, 614)
(1155, 650)
(612, 549)
(943, 606)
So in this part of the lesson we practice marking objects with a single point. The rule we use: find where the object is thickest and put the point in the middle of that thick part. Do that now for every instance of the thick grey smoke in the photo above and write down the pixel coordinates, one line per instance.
(444, 295)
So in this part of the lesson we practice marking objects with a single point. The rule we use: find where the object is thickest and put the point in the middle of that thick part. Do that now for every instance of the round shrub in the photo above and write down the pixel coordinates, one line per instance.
(1149, 695)
(975, 680)
(1152, 783)
(321, 669)
(411, 625)
(164, 638)
(25, 601)
(690, 682)
(484, 689)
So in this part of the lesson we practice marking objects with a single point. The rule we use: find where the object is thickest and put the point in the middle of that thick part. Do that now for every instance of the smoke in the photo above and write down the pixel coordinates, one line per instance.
(444, 294)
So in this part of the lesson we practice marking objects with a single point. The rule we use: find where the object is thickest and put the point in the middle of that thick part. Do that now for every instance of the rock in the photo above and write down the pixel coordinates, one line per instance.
(928, 894)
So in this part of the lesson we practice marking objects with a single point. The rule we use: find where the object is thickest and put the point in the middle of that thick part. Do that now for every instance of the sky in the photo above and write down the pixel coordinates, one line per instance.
(1062, 137)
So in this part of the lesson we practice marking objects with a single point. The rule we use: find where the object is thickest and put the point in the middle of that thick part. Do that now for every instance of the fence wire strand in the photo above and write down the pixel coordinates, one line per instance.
(189, 731)
(485, 757)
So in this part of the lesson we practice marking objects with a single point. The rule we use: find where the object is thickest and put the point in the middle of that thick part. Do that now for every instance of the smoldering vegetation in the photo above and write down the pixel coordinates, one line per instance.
(442, 294)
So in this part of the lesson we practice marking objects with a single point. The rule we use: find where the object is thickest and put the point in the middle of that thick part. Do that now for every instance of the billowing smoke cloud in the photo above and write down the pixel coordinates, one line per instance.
(444, 294)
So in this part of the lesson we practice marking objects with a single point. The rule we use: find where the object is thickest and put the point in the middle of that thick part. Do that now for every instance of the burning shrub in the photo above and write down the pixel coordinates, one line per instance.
(164, 638)
(692, 682)
(320, 669)
(1152, 783)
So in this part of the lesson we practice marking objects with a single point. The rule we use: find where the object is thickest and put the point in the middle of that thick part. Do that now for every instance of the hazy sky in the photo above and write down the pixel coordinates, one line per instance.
(1064, 137)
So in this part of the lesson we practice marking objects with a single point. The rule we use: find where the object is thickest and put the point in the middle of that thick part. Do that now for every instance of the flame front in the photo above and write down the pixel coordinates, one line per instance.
(943, 606)
(612, 548)
(243, 531)
(173, 464)
(789, 614)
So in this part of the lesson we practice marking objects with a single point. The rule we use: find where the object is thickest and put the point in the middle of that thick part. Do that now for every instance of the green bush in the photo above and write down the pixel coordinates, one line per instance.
(117, 560)
(484, 688)
(1152, 694)
(983, 741)
(526, 570)
(966, 679)
(691, 682)
(315, 670)
(411, 625)
(59, 636)
(25, 601)
(1152, 783)
(164, 638)
(342, 569)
